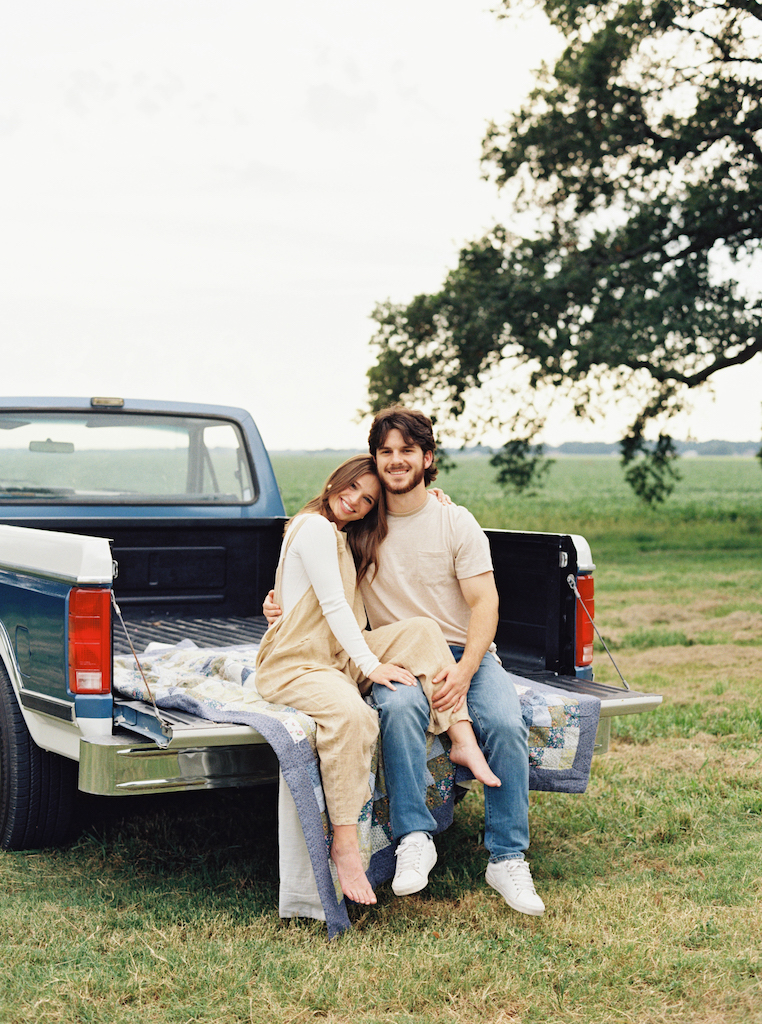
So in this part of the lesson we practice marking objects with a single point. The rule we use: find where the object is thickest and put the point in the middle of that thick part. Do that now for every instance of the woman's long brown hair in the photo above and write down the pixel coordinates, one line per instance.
(364, 536)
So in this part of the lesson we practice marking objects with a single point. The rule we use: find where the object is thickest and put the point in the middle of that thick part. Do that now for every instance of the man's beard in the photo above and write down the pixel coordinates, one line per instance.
(404, 488)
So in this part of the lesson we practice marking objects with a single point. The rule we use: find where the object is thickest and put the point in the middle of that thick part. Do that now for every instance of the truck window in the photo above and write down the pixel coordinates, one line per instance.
(122, 458)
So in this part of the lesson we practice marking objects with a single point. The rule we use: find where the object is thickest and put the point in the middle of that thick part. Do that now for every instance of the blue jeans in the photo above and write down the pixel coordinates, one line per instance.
(503, 737)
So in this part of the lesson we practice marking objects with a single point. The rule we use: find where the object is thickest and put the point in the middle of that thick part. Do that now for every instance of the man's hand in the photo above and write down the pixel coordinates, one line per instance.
(481, 597)
(455, 680)
(271, 611)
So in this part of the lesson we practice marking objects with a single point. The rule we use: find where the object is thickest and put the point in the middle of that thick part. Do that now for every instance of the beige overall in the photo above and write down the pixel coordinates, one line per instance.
(302, 665)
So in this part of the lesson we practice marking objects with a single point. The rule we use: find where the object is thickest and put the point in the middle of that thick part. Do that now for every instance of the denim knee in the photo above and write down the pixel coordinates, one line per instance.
(401, 709)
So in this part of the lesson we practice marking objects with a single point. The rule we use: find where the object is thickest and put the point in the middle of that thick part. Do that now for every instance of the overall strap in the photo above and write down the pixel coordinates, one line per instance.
(293, 529)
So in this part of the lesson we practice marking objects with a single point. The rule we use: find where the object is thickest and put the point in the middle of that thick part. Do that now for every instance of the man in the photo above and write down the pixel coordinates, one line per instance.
(436, 561)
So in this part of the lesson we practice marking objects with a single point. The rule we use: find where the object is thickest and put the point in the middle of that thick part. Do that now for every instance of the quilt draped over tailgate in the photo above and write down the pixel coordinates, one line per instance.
(220, 685)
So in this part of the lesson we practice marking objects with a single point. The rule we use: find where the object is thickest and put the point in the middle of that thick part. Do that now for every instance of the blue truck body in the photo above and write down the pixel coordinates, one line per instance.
(189, 550)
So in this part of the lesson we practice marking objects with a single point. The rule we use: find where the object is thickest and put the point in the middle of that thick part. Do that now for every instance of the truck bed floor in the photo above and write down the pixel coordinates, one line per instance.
(204, 632)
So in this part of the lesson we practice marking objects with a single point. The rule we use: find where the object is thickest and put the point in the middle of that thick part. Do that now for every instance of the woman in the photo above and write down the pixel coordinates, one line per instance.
(316, 657)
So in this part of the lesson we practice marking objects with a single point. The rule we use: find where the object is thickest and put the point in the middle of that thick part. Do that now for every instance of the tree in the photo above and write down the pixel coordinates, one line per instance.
(639, 156)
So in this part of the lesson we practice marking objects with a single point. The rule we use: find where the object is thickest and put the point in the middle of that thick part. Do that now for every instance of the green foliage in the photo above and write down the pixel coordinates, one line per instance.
(649, 469)
(520, 464)
(640, 156)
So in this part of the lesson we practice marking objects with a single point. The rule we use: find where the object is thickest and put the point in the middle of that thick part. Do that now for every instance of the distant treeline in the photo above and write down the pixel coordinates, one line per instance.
(683, 447)
(748, 448)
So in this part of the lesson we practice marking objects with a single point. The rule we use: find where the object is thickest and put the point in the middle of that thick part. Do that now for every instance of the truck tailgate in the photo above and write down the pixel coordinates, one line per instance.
(614, 701)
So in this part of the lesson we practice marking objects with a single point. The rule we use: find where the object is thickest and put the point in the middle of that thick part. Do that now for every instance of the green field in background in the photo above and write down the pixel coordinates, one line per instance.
(719, 497)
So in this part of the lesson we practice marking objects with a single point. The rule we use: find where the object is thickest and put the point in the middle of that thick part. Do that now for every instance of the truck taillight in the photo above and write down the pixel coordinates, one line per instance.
(89, 640)
(585, 632)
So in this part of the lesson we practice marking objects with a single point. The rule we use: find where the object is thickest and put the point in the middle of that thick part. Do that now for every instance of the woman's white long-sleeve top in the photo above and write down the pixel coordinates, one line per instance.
(311, 561)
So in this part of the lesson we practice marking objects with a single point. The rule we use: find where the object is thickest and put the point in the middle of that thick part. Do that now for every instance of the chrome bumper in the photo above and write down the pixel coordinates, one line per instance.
(122, 765)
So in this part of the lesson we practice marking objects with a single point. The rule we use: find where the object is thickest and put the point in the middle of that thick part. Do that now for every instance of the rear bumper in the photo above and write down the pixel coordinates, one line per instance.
(122, 765)
(619, 702)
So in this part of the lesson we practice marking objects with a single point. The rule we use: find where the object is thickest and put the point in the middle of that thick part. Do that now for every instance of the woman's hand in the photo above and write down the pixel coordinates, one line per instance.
(271, 611)
(439, 494)
(388, 675)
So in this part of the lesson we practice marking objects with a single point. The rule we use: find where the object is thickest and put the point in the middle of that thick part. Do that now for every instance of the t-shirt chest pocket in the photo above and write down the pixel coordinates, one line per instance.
(431, 568)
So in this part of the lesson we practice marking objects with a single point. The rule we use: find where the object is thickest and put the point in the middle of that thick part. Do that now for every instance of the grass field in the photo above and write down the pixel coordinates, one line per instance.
(165, 912)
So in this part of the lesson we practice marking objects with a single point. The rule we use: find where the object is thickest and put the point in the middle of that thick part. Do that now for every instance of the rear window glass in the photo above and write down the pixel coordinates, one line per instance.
(122, 458)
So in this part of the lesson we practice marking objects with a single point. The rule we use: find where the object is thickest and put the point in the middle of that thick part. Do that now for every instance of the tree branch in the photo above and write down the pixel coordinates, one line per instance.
(692, 380)
(751, 7)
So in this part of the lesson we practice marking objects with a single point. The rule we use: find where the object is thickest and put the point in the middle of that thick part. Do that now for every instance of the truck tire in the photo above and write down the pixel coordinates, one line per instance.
(37, 788)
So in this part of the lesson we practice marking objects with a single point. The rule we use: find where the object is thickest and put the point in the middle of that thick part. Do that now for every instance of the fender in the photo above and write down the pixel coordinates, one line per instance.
(52, 721)
(56, 731)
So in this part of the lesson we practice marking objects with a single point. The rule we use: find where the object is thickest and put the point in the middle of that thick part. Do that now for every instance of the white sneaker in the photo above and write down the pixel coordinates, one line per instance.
(513, 880)
(416, 855)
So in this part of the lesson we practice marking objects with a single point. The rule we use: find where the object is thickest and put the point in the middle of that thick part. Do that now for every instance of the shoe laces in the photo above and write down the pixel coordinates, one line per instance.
(409, 853)
(521, 875)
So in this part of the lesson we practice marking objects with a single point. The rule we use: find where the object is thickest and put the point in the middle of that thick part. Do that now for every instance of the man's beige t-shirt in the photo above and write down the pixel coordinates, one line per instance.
(422, 558)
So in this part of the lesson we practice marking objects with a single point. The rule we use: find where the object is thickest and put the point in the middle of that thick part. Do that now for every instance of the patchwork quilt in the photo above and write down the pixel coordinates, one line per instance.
(220, 685)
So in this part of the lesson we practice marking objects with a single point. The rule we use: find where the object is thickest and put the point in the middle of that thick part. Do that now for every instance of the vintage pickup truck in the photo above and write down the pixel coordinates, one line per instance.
(171, 515)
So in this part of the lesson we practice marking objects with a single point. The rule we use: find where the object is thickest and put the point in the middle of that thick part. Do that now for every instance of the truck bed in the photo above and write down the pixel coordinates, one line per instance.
(228, 631)
(234, 630)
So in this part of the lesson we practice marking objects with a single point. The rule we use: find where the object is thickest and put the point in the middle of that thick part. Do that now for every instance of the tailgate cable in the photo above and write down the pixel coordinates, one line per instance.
(571, 580)
(166, 728)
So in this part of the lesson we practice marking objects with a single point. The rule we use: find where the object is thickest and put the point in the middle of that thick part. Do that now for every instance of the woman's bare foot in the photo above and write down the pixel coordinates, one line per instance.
(345, 854)
(465, 750)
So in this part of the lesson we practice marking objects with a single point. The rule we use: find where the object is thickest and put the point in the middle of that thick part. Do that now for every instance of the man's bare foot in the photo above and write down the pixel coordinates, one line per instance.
(352, 878)
(465, 750)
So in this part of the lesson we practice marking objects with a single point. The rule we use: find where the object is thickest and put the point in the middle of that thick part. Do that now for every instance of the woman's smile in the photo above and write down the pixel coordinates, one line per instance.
(356, 500)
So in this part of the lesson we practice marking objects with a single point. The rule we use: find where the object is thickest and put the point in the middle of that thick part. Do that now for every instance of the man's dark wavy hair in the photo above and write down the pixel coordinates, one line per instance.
(414, 426)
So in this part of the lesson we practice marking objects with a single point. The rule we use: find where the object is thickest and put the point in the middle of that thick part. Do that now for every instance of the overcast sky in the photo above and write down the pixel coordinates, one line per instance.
(204, 199)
